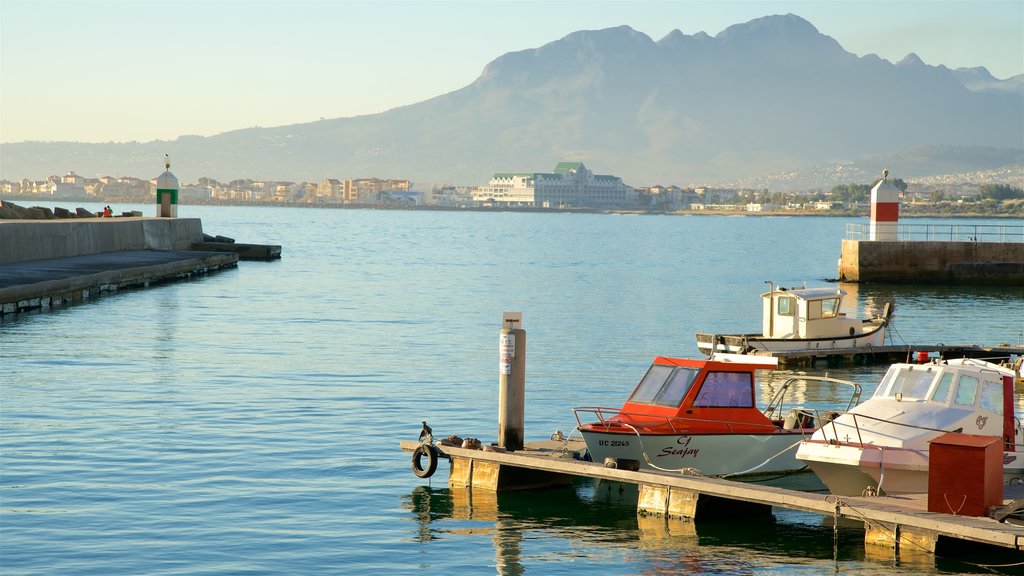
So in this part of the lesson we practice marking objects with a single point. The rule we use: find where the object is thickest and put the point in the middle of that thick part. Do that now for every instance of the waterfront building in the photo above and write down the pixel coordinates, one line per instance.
(372, 190)
(406, 198)
(330, 190)
(129, 188)
(196, 193)
(451, 196)
(571, 184)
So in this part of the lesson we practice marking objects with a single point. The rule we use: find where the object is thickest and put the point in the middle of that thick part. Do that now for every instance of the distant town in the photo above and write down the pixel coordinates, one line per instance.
(569, 186)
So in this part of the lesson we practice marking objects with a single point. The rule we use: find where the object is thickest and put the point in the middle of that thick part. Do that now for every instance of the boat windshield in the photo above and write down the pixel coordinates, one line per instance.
(664, 385)
(906, 383)
(822, 309)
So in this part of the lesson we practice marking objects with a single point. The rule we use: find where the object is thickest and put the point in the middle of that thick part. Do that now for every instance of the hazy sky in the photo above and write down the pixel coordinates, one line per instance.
(143, 70)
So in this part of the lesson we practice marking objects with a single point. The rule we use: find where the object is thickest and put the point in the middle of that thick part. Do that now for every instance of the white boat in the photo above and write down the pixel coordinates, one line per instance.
(882, 446)
(702, 415)
(796, 320)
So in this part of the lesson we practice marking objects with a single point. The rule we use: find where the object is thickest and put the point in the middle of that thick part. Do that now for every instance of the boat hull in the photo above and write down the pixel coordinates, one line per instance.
(710, 454)
(855, 471)
(746, 343)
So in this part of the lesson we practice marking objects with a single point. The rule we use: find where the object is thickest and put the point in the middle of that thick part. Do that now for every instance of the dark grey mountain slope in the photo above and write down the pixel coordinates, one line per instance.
(769, 95)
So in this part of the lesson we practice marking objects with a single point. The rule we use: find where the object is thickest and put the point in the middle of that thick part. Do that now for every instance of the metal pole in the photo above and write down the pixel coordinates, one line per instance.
(511, 382)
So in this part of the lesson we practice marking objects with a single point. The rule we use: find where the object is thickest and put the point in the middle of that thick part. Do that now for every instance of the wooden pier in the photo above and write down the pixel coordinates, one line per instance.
(890, 522)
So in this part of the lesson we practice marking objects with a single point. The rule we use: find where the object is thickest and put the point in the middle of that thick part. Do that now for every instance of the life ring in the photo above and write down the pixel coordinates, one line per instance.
(417, 466)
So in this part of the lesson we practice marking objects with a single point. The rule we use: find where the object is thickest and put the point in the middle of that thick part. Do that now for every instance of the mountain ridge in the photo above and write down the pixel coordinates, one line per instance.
(772, 94)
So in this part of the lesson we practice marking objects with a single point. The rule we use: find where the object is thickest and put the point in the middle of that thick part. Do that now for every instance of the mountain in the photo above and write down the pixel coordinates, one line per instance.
(980, 79)
(769, 95)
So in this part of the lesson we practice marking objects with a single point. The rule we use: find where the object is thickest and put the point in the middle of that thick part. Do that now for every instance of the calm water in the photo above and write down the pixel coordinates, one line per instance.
(248, 422)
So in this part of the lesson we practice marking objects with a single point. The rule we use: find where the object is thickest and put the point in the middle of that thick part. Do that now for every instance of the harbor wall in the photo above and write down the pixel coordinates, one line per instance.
(930, 262)
(23, 241)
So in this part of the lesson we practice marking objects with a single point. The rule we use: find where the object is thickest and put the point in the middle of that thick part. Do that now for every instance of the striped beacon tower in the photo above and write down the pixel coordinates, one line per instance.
(885, 210)
(167, 192)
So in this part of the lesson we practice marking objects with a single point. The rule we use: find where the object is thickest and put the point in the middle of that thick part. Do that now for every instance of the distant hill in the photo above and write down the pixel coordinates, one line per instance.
(1006, 165)
(767, 96)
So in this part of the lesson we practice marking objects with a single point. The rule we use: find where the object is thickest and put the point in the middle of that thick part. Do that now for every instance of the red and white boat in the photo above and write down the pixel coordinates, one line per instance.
(882, 446)
(702, 415)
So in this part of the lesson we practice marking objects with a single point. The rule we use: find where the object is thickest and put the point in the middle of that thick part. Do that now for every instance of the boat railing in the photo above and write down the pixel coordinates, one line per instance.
(944, 232)
(677, 424)
(835, 441)
(776, 405)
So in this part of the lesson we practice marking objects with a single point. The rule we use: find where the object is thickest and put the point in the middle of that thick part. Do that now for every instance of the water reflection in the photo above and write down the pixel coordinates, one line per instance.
(598, 525)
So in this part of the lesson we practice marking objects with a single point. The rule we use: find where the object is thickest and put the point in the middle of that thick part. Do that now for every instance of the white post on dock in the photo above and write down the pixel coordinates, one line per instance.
(511, 382)
(167, 192)
(885, 210)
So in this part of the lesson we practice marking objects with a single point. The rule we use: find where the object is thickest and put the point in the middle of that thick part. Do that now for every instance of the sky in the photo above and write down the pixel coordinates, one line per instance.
(90, 71)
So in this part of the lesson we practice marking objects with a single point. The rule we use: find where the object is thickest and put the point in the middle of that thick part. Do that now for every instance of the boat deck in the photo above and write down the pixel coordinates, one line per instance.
(891, 514)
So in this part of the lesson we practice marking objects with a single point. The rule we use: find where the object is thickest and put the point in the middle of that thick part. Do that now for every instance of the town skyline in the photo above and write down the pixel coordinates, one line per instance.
(964, 195)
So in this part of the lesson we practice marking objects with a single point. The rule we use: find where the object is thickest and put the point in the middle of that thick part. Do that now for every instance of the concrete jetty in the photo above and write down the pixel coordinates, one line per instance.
(886, 250)
(932, 262)
(48, 263)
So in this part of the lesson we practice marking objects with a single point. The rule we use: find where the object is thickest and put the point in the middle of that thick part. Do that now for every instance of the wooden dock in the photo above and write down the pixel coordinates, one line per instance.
(889, 521)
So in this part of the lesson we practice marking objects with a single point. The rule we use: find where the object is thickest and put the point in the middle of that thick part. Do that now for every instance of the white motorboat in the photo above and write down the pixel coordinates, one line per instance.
(882, 446)
(795, 320)
(702, 416)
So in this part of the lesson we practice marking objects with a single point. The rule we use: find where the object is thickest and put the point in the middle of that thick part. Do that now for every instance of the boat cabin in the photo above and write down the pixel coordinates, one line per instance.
(944, 395)
(806, 313)
(696, 396)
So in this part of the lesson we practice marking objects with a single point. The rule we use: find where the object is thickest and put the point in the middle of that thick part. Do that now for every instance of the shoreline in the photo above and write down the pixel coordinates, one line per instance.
(20, 200)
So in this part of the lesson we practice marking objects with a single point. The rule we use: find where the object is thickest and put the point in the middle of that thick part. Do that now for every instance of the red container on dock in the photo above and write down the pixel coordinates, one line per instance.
(965, 474)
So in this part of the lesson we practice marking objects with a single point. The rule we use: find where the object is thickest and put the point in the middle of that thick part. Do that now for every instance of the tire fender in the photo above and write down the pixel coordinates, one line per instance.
(417, 466)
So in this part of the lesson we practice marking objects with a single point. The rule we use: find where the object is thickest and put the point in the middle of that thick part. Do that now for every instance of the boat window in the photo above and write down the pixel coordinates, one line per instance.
(941, 393)
(664, 385)
(814, 309)
(787, 306)
(651, 384)
(992, 397)
(830, 308)
(726, 390)
(912, 384)
(967, 390)
(677, 386)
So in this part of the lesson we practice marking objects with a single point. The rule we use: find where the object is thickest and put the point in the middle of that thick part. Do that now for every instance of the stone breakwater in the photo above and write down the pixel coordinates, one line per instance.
(12, 211)
(52, 262)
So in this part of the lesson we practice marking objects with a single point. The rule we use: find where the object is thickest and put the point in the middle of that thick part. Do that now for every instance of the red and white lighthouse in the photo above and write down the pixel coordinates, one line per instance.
(885, 210)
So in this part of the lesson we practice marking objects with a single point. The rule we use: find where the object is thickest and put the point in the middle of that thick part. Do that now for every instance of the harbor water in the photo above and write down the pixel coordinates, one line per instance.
(247, 422)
